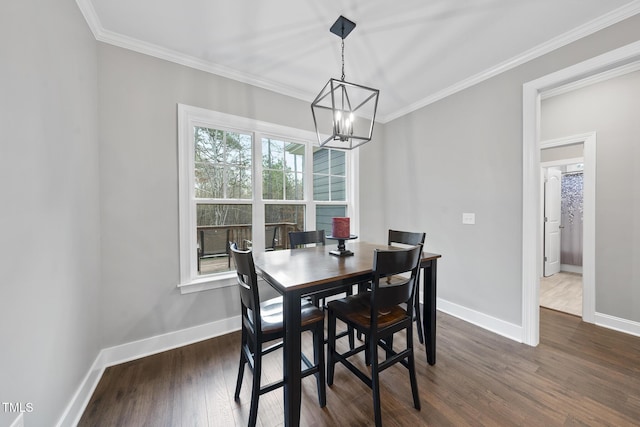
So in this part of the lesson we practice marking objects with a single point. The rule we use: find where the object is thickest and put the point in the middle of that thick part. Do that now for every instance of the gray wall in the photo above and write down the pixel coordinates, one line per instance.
(139, 188)
(49, 208)
(611, 109)
(465, 155)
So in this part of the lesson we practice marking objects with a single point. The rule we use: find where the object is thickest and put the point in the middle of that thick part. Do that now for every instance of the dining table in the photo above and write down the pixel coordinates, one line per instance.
(301, 272)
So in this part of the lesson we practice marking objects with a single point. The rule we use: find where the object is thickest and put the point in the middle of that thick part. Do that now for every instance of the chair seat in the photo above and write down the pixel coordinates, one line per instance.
(356, 309)
(271, 312)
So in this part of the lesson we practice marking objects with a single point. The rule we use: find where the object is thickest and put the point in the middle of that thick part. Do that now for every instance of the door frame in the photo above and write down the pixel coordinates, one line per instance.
(589, 141)
(531, 171)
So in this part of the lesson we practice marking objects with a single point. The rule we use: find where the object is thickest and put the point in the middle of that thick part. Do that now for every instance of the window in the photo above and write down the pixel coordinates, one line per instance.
(251, 182)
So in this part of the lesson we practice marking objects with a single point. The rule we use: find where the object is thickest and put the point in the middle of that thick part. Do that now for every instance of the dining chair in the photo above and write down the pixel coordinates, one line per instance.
(412, 239)
(408, 238)
(262, 322)
(303, 239)
(378, 314)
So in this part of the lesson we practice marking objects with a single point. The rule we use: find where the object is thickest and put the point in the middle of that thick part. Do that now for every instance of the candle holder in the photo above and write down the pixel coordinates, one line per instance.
(342, 250)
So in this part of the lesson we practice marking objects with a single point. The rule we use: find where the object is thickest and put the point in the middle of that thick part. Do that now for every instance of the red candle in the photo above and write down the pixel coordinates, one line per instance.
(340, 227)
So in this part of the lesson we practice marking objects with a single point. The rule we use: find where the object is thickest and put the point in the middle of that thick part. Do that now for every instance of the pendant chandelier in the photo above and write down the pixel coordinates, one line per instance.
(344, 111)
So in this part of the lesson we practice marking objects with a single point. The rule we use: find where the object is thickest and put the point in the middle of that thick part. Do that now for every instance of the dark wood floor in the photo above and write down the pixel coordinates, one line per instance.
(579, 375)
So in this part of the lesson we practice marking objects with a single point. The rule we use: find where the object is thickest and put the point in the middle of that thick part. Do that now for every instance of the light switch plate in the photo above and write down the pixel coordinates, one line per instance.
(468, 218)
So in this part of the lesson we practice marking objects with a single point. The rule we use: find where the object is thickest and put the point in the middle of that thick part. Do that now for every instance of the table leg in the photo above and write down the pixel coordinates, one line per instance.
(291, 355)
(429, 310)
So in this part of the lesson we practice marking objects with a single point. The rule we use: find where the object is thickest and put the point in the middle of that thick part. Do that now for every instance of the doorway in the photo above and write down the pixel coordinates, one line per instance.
(581, 73)
(561, 284)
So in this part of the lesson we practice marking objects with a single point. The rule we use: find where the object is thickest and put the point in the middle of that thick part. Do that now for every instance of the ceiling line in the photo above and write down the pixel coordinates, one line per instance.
(109, 37)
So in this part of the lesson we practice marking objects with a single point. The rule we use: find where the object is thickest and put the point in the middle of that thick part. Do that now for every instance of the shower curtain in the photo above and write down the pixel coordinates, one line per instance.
(571, 219)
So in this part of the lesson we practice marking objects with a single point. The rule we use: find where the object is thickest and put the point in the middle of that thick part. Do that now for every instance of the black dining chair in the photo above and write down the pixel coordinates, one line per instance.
(262, 322)
(411, 239)
(408, 238)
(387, 308)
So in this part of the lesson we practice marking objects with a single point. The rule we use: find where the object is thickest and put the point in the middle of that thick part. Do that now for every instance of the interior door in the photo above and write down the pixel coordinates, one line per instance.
(552, 221)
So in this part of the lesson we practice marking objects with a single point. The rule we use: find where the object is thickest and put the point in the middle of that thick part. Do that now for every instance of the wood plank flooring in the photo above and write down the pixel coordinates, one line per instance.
(579, 375)
(563, 292)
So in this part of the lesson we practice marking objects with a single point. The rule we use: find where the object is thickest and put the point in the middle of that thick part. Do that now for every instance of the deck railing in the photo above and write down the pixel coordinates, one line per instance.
(213, 240)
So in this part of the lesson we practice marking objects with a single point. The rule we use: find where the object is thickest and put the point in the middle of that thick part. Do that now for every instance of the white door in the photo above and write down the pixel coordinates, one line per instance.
(552, 221)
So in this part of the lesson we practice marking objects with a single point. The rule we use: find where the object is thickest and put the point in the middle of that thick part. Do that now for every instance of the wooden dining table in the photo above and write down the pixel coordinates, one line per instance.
(300, 272)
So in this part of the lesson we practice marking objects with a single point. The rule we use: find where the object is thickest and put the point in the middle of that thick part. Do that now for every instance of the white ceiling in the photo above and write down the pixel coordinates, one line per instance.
(414, 51)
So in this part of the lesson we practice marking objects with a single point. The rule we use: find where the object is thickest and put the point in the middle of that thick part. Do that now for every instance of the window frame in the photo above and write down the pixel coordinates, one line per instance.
(190, 117)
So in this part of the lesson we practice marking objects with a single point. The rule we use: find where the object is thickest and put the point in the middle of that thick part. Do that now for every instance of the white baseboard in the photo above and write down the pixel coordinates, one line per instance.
(75, 408)
(148, 346)
(571, 268)
(622, 325)
(135, 350)
(500, 327)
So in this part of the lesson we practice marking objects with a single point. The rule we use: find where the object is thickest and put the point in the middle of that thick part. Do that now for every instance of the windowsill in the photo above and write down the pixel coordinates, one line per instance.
(218, 281)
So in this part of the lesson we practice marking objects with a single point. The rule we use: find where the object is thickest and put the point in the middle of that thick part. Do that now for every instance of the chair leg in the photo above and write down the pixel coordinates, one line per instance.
(321, 382)
(318, 356)
(388, 341)
(331, 345)
(418, 317)
(367, 351)
(361, 288)
(351, 332)
(255, 391)
(243, 361)
(375, 381)
(412, 369)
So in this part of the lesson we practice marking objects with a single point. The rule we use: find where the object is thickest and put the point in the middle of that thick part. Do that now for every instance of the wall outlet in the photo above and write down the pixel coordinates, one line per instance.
(468, 218)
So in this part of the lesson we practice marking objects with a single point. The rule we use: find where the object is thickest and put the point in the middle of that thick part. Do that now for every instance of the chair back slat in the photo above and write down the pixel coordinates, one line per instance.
(247, 283)
(387, 263)
(299, 239)
(405, 238)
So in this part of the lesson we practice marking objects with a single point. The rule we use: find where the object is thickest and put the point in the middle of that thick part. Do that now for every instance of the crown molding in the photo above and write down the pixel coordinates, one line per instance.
(90, 15)
(577, 33)
(160, 52)
(129, 43)
(109, 37)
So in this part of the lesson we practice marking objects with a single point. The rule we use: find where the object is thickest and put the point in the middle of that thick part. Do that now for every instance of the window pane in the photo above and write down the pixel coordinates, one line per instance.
(294, 157)
(320, 187)
(295, 186)
(222, 164)
(272, 185)
(209, 181)
(209, 144)
(238, 148)
(218, 224)
(324, 215)
(338, 163)
(272, 154)
(283, 169)
(338, 188)
(320, 160)
(239, 185)
(279, 221)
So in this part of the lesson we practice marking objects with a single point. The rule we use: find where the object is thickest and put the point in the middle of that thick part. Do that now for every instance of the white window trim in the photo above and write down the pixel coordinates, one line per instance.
(190, 117)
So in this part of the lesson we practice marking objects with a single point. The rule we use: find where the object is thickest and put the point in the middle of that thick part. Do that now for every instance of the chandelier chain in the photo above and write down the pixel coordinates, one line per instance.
(342, 60)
